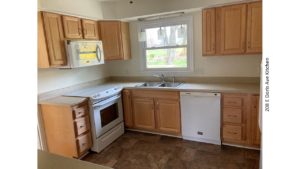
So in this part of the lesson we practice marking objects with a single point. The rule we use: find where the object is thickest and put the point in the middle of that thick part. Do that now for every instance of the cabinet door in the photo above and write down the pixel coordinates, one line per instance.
(125, 41)
(127, 108)
(255, 131)
(143, 112)
(55, 39)
(72, 27)
(231, 29)
(90, 29)
(111, 39)
(43, 61)
(168, 116)
(208, 31)
(254, 28)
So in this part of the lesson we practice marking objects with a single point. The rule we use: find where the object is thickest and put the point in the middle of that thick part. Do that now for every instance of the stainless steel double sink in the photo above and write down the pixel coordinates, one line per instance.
(159, 84)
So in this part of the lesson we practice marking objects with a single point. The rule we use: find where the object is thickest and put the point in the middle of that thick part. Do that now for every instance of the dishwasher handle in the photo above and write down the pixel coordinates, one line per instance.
(200, 94)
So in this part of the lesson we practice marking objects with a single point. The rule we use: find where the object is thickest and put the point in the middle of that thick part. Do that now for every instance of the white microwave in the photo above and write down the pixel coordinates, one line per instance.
(83, 53)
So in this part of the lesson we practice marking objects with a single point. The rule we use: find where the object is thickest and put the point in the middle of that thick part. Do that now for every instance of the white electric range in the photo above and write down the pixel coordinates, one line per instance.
(106, 114)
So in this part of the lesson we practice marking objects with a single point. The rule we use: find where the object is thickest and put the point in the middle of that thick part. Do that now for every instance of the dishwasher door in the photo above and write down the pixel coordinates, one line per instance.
(200, 116)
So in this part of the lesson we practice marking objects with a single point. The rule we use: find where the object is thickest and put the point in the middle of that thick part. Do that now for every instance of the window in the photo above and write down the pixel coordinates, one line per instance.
(168, 44)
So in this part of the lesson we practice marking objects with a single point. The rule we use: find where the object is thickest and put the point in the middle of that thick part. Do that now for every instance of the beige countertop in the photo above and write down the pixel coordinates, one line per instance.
(63, 100)
(202, 87)
(51, 161)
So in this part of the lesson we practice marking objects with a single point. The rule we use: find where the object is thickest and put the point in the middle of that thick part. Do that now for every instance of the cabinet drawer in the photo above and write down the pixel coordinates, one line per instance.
(232, 132)
(83, 143)
(80, 110)
(232, 115)
(81, 125)
(232, 101)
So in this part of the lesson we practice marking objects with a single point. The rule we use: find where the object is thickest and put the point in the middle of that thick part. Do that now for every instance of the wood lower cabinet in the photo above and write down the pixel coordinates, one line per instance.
(240, 120)
(54, 39)
(255, 130)
(116, 41)
(127, 108)
(66, 126)
(234, 116)
(153, 110)
(168, 115)
(143, 113)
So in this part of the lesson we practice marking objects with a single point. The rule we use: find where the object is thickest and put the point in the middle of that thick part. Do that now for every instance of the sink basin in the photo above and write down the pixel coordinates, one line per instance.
(169, 84)
(159, 84)
(149, 84)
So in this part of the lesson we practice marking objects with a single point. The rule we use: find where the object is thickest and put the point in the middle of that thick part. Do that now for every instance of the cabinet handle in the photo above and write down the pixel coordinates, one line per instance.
(232, 132)
(83, 144)
(81, 126)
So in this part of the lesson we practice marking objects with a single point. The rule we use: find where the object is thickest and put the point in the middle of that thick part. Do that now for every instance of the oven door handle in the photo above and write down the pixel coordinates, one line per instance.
(104, 102)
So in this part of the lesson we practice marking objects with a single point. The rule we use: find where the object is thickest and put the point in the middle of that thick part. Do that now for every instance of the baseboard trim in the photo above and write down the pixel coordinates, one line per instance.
(150, 132)
(234, 145)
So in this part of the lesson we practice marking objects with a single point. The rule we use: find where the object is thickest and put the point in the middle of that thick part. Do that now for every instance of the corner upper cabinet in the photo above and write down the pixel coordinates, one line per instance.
(54, 36)
(90, 29)
(254, 28)
(43, 61)
(209, 31)
(115, 39)
(231, 29)
(72, 27)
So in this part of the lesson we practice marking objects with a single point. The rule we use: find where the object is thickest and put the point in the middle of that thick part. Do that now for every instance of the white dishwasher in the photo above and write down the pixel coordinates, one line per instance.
(200, 116)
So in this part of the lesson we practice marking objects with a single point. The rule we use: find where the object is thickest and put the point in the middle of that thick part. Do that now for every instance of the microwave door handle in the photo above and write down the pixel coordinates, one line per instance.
(97, 53)
(77, 50)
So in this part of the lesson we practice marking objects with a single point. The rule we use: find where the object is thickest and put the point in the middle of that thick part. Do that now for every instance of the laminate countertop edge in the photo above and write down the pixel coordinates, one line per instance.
(50, 161)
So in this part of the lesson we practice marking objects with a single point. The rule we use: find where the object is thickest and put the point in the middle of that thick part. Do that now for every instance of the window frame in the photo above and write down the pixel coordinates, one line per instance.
(188, 20)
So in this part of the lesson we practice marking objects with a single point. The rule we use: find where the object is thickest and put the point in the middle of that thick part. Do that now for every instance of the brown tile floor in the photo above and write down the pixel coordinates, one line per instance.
(136, 150)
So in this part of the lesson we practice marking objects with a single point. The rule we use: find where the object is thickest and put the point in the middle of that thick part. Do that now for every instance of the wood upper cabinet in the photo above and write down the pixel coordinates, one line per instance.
(90, 29)
(127, 108)
(143, 112)
(54, 39)
(209, 31)
(168, 115)
(115, 39)
(72, 27)
(254, 28)
(43, 58)
(231, 29)
(255, 131)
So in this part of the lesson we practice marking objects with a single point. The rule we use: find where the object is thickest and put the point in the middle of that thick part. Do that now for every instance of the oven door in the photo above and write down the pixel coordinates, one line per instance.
(107, 114)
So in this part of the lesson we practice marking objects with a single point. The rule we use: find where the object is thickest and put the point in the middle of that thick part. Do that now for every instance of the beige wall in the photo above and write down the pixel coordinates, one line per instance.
(51, 79)
(85, 8)
(216, 66)
(123, 9)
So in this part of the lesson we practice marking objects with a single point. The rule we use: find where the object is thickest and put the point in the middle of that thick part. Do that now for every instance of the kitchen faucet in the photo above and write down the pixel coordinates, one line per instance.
(161, 76)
